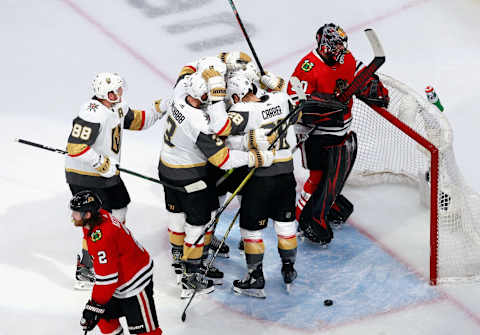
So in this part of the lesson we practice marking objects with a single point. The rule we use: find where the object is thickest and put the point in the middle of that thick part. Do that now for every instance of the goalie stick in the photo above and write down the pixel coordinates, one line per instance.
(194, 187)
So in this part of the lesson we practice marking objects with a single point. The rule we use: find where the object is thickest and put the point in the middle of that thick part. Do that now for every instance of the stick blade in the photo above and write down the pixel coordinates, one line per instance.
(184, 317)
(375, 42)
(196, 186)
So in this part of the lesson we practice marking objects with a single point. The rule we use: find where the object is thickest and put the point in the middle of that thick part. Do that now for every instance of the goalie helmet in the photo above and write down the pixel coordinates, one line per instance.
(238, 84)
(106, 82)
(85, 201)
(196, 86)
(332, 43)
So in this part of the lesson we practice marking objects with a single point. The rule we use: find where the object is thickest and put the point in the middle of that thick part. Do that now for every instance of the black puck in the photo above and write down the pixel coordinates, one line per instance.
(328, 302)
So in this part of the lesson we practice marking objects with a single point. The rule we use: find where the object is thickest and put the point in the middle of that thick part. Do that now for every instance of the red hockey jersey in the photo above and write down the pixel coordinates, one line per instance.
(122, 266)
(316, 76)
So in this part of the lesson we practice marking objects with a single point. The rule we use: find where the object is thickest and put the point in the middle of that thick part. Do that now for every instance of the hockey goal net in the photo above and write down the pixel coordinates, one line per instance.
(411, 142)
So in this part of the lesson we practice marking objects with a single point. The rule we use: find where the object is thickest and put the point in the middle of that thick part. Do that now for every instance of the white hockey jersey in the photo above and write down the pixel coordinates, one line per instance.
(273, 108)
(98, 130)
(189, 144)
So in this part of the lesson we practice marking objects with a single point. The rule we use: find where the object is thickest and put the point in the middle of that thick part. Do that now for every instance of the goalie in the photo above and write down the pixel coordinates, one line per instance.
(327, 146)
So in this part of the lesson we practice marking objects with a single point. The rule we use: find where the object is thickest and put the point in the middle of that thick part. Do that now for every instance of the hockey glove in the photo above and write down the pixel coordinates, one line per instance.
(92, 313)
(260, 158)
(235, 60)
(105, 166)
(258, 139)
(215, 84)
(374, 93)
(272, 82)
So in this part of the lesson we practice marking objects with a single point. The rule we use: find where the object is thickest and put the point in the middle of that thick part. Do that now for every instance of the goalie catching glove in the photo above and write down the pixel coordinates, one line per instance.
(374, 93)
(235, 60)
(258, 139)
(92, 313)
(105, 166)
(260, 158)
(215, 84)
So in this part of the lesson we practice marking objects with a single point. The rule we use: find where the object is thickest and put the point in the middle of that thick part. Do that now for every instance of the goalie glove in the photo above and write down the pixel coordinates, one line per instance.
(374, 93)
(260, 158)
(215, 84)
(272, 81)
(235, 60)
(106, 167)
(258, 139)
(92, 313)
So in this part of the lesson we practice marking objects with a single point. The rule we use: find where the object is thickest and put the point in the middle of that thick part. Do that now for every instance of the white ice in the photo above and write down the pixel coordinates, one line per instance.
(52, 49)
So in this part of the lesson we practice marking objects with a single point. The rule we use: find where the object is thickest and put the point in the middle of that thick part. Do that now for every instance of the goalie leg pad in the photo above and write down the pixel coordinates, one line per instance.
(341, 210)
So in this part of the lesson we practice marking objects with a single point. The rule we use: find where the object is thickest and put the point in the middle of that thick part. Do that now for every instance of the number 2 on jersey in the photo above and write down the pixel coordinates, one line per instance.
(169, 131)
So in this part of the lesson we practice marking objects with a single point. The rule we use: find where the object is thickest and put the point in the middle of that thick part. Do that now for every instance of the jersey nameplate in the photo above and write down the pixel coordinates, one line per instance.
(179, 117)
(271, 112)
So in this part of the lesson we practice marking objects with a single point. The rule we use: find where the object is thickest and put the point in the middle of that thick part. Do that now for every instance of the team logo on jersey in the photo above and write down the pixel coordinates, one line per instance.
(307, 65)
(92, 107)
(120, 112)
(96, 235)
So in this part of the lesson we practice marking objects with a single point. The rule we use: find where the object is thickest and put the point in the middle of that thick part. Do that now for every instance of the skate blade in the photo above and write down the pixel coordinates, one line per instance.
(288, 288)
(251, 292)
(81, 285)
(179, 278)
(187, 293)
(216, 281)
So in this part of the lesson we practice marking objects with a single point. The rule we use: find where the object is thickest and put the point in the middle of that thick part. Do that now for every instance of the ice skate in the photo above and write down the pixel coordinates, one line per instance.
(213, 274)
(289, 274)
(252, 285)
(84, 276)
(194, 280)
(177, 264)
(224, 249)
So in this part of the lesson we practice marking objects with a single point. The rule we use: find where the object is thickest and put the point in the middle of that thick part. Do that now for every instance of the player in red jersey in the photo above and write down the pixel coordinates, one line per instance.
(329, 148)
(123, 272)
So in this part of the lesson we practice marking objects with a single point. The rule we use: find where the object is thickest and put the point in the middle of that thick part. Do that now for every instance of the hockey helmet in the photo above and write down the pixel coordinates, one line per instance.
(85, 201)
(332, 43)
(106, 82)
(196, 86)
(238, 84)
(215, 63)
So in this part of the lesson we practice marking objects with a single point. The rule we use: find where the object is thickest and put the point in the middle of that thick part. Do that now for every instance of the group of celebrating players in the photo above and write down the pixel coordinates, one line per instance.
(220, 117)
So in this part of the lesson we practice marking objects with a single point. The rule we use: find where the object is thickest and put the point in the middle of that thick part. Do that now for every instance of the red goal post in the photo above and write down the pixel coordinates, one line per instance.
(411, 142)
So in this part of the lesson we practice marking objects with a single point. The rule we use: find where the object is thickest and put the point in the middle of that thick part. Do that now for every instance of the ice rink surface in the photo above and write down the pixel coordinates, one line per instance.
(375, 270)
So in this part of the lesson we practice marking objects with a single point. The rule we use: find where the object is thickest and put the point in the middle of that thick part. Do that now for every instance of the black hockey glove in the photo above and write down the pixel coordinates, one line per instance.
(374, 93)
(91, 315)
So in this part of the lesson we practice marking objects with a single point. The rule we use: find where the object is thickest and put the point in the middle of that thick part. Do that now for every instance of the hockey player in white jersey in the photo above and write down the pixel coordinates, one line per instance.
(189, 145)
(270, 193)
(94, 150)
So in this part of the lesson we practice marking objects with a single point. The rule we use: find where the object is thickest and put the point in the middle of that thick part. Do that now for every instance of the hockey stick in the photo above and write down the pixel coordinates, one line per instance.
(194, 187)
(184, 314)
(235, 11)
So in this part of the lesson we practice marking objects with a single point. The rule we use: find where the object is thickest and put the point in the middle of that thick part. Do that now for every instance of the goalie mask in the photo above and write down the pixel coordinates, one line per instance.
(106, 82)
(238, 84)
(332, 43)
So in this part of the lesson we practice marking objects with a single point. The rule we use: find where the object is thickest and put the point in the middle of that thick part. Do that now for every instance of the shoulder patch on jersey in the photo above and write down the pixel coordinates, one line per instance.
(96, 235)
(92, 107)
(307, 65)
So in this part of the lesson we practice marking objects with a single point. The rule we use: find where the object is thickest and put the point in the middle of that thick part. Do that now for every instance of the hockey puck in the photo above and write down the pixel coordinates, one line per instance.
(328, 302)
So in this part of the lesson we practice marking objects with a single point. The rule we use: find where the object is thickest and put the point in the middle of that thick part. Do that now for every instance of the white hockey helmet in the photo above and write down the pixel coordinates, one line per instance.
(196, 86)
(205, 63)
(239, 84)
(106, 82)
